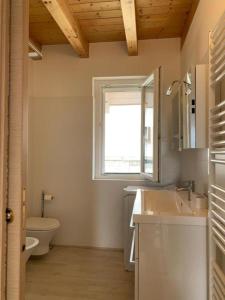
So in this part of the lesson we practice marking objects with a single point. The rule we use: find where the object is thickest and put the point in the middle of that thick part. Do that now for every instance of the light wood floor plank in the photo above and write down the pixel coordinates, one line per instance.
(78, 273)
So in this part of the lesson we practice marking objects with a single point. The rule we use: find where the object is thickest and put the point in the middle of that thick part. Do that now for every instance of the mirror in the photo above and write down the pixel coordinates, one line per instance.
(189, 108)
(177, 134)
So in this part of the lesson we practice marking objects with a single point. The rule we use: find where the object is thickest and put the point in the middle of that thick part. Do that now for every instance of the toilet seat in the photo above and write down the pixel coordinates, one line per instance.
(42, 224)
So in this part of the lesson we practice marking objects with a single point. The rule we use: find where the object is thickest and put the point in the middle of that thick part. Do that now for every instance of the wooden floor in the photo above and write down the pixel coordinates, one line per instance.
(68, 273)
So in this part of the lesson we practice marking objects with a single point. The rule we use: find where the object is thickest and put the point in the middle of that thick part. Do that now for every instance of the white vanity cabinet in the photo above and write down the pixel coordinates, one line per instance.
(128, 203)
(170, 262)
(129, 194)
(170, 251)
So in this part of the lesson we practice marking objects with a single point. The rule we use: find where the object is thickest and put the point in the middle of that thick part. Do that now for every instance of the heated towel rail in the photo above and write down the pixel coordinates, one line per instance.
(217, 162)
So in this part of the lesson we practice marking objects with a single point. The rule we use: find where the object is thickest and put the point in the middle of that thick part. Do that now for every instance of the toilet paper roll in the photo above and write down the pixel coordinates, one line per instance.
(48, 197)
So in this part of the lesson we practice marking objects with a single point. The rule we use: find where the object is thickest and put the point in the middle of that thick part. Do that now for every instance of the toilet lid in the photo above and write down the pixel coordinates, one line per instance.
(36, 223)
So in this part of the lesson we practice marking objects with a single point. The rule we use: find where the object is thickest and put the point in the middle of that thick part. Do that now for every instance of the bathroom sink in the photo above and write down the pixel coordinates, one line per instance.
(163, 202)
(166, 206)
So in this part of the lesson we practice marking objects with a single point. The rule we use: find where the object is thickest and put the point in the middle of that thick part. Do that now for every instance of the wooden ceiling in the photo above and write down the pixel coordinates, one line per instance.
(108, 20)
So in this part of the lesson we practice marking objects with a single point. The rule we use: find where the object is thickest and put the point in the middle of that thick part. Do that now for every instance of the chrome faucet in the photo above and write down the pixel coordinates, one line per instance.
(188, 186)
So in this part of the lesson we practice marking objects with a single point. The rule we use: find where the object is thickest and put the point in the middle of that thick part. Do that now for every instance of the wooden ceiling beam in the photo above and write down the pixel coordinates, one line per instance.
(130, 26)
(68, 24)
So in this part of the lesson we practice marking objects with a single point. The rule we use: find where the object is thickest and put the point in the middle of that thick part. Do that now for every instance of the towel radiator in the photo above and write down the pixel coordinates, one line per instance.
(217, 162)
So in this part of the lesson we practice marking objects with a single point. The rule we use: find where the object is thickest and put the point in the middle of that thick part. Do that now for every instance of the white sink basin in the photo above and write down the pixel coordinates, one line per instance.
(163, 202)
(167, 206)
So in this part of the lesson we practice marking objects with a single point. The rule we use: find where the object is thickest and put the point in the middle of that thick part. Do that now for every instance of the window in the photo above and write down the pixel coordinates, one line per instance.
(122, 130)
(125, 128)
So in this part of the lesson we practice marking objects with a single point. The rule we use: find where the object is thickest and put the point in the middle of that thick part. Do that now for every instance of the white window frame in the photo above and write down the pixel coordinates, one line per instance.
(156, 120)
(98, 84)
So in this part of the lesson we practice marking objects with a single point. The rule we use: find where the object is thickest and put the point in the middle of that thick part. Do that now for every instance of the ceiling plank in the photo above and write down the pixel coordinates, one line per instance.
(71, 2)
(98, 14)
(101, 22)
(106, 28)
(154, 10)
(47, 33)
(129, 20)
(95, 6)
(102, 36)
(69, 25)
(157, 3)
(189, 20)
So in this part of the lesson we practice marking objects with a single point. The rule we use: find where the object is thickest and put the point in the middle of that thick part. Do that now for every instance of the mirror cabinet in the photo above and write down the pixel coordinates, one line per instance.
(189, 109)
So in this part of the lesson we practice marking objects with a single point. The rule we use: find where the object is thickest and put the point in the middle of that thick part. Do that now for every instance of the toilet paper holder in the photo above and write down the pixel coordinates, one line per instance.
(45, 197)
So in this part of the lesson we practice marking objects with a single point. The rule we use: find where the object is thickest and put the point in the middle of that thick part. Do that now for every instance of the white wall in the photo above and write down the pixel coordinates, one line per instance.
(60, 146)
(195, 51)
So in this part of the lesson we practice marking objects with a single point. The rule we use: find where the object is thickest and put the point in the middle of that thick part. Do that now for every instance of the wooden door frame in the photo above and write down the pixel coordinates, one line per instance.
(18, 69)
(4, 94)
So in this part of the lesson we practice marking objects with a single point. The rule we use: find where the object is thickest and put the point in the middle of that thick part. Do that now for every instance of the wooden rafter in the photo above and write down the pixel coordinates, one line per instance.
(68, 24)
(129, 20)
(102, 20)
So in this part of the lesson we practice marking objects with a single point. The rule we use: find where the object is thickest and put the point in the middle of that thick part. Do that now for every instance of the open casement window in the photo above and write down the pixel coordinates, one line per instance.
(119, 133)
(150, 127)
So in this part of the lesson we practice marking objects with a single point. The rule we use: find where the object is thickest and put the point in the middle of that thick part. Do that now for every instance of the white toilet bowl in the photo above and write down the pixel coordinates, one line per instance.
(44, 230)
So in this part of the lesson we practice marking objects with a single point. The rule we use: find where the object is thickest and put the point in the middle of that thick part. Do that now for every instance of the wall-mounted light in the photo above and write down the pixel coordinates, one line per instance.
(187, 87)
(170, 88)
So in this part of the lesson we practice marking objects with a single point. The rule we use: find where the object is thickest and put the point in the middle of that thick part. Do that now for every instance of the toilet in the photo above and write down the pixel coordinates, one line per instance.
(44, 229)
(31, 243)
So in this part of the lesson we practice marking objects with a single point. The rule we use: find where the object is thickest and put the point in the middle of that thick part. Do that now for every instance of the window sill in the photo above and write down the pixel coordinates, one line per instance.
(122, 177)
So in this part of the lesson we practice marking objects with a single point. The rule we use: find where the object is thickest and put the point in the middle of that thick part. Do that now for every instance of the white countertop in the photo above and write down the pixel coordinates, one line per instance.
(166, 207)
(132, 188)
